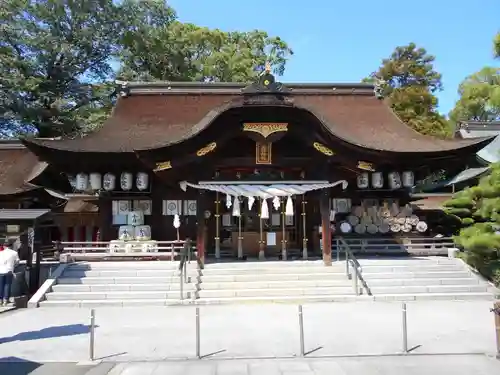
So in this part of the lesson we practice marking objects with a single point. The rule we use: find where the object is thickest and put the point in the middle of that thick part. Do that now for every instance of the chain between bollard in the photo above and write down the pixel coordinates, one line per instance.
(405, 328)
(198, 354)
(92, 335)
(301, 331)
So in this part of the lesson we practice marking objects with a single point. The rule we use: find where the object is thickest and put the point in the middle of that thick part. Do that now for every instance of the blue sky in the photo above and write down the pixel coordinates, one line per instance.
(343, 41)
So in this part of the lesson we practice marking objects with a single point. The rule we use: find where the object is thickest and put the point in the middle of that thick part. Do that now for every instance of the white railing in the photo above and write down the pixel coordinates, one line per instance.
(396, 245)
(105, 249)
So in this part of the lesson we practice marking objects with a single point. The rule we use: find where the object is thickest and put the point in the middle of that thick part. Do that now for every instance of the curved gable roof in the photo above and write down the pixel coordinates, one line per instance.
(155, 116)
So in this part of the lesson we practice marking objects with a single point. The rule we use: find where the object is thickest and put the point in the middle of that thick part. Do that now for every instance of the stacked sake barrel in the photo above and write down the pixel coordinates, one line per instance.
(387, 218)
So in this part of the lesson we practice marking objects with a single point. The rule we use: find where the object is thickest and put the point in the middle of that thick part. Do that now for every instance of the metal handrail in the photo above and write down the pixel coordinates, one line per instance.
(352, 263)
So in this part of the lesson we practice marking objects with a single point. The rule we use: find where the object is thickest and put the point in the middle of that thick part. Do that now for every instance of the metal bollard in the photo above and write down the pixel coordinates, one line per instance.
(496, 311)
(198, 355)
(405, 329)
(301, 331)
(355, 281)
(92, 335)
(181, 280)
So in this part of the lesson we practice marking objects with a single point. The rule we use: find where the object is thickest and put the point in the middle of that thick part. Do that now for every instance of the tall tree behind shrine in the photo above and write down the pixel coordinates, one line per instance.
(409, 81)
(57, 58)
(480, 93)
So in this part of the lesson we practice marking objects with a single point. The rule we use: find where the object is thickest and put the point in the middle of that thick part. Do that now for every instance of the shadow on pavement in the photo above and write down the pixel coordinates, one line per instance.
(17, 366)
(49, 332)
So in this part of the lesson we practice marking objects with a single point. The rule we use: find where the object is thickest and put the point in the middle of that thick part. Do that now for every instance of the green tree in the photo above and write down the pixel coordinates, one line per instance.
(496, 45)
(409, 81)
(478, 208)
(54, 64)
(178, 51)
(479, 97)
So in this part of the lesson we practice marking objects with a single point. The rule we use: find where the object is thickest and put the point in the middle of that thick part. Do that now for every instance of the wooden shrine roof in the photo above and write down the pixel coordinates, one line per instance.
(17, 167)
(155, 115)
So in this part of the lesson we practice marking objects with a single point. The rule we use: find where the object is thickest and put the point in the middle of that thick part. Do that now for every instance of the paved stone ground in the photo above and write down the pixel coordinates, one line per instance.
(402, 365)
(248, 331)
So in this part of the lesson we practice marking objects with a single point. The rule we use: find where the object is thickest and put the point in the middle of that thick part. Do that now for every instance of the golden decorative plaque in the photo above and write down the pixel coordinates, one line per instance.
(323, 149)
(164, 165)
(366, 166)
(205, 150)
(263, 153)
(265, 129)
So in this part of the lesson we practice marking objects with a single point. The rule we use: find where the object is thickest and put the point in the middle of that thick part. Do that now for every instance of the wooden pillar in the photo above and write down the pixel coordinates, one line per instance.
(157, 230)
(200, 225)
(324, 206)
(105, 218)
(304, 227)
(217, 225)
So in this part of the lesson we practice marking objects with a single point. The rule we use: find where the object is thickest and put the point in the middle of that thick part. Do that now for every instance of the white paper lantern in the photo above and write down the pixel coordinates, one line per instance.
(126, 181)
(408, 178)
(394, 180)
(362, 180)
(96, 181)
(142, 181)
(377, 180)
(82, 181)
(109, 181)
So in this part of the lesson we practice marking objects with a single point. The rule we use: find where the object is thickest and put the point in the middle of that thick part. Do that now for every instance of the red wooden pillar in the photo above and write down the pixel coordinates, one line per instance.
(200, 225)
(324, 207)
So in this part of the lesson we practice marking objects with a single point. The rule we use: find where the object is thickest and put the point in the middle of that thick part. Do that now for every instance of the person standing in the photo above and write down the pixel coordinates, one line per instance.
(9, 259)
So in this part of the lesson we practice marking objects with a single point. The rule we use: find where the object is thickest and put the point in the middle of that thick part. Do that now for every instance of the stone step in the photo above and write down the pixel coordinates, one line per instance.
(128, 265)
(408, 261)
(124, 273)
(120, 280)
(78, 288)
(270, 292)
(281, 299)
(66, 296)
(486, 296)
(208, 271)
(422, 281)
(262, 284)
(114, 303)
(407, 268)
(450, 289)
(273, 277)
(266, 264)
(417, 275)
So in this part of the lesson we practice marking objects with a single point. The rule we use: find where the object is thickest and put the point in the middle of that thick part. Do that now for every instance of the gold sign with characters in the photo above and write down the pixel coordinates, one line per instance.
(164, 165)
(263, 153)
(265, 129)
(323, 149)
(205, 150)
(364, 165)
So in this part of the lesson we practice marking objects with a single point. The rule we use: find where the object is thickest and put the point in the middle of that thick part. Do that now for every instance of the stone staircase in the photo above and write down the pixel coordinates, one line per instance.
(420, 278)
(157, 283)
(273, 281)
(93, 284)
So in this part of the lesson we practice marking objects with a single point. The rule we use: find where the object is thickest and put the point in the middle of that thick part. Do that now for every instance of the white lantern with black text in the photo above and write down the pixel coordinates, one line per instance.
(142, 181)
(82, 181)
(109, 182)
(126, 181)
(363, 180)
(394, 180)
(377, 180)
(95, 181)
(408, 179)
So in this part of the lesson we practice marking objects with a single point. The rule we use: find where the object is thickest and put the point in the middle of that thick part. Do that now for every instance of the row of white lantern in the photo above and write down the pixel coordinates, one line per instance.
(94, 181)
(396, 181)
